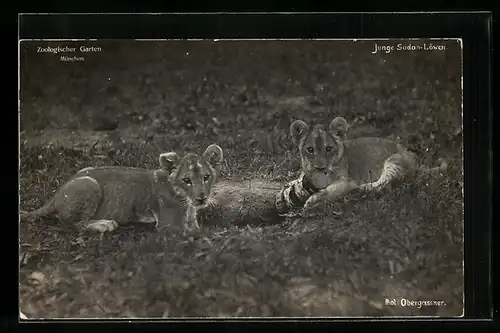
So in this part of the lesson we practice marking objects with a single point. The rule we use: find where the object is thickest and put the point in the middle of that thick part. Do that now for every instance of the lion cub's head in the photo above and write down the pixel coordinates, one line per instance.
(320, 149)
(193, 176)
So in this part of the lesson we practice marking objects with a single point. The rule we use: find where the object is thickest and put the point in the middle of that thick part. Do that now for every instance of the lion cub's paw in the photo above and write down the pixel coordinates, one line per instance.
(102, 225)
(369, 187)
(365, 187)
(315, 199)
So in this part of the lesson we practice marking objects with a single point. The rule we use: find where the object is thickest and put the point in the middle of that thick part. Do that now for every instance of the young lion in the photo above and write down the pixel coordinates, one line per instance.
(103, 198)
(332, 165)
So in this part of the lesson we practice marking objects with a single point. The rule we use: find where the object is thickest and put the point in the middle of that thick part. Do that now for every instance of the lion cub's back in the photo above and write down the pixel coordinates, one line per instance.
(135, 182)
(365, 157)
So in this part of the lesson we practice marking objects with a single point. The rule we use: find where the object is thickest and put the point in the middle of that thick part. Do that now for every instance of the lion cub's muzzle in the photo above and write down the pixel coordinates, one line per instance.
(321, 178)
(321, 169)
(200, 200)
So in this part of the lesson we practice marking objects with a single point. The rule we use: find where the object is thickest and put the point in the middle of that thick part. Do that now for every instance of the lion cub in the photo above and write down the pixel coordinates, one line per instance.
(332, 165)
(103, 198)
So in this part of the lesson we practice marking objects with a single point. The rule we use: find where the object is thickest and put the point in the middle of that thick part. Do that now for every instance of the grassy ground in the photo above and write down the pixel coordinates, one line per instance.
(406, 243)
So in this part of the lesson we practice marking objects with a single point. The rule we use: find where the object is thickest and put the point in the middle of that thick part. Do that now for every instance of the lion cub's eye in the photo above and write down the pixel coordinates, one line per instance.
(310, 150)
(329, 149)
(187, 181)
(206, 178)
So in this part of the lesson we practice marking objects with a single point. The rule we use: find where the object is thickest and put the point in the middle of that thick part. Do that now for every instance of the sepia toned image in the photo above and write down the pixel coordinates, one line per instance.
(240, 178)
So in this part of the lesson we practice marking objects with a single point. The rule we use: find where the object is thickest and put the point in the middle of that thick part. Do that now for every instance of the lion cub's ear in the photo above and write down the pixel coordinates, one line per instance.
(168, 161)
(297, 130)
(339, 127)
(213, 154)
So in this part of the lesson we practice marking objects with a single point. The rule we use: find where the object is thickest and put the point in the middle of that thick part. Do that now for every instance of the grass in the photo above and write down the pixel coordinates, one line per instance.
(406, 243)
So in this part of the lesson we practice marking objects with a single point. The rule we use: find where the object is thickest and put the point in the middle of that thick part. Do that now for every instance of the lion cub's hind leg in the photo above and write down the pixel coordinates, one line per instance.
(77, 202)
(395, 167)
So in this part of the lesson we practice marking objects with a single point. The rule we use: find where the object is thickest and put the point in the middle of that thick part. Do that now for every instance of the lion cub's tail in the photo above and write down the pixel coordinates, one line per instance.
(45, 210)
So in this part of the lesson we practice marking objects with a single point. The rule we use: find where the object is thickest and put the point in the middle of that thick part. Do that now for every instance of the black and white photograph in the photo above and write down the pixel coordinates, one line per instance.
(257, 178)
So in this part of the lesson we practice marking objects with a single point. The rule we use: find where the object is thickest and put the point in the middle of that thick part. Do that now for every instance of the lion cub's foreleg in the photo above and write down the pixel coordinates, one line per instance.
(332, 192)
(79, 200)
(191, 219)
